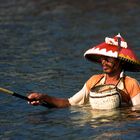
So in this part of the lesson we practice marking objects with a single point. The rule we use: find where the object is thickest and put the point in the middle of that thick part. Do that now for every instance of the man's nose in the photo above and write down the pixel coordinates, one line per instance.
(103, 61)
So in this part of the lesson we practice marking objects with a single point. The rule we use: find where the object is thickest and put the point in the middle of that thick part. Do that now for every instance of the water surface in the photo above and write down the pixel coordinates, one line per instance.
(42, 46)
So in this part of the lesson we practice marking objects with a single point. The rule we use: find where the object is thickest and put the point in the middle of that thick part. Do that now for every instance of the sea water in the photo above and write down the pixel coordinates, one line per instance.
(41, 49)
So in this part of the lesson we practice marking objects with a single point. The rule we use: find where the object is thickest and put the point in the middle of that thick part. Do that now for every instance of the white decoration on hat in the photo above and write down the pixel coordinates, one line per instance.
(119, 35)
(111, 41)
(102, 52)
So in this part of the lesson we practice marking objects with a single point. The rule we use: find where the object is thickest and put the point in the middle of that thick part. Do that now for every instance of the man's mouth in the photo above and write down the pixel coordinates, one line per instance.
(105, 67)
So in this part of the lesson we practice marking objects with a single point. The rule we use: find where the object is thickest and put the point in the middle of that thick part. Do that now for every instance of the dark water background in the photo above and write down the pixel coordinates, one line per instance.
(42, 43)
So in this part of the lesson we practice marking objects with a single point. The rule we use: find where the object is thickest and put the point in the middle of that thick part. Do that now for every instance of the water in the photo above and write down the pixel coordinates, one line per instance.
(42, 46)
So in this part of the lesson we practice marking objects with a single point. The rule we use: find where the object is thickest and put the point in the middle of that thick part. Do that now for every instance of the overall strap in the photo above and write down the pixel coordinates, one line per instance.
(122, 78)
(124, 92)
(93, 81)
(97, 81)
(124, 81)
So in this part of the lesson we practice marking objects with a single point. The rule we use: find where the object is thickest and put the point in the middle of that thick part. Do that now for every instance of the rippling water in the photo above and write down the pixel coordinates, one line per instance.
(42, 46)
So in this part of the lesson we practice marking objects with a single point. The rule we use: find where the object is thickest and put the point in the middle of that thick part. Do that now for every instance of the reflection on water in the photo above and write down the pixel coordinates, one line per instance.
(82, 121)
(42, 46)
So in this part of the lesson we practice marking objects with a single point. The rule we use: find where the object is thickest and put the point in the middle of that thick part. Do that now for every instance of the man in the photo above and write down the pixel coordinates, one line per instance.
(115, 57)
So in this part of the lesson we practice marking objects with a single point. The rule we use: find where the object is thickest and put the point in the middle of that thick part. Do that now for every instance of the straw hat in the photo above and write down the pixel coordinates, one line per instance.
(115, 47)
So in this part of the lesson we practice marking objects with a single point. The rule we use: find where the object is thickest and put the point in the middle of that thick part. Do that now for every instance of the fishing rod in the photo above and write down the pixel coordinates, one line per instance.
(9, 92)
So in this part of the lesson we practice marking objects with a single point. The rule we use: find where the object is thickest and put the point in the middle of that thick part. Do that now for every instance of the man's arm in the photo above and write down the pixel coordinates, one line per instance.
(52, 102)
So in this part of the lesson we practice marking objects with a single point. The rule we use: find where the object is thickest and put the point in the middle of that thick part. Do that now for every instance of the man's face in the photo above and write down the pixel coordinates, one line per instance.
(110, 65)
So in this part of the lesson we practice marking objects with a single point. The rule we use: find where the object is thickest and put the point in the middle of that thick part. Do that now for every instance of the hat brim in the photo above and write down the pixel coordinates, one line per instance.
(130, 65)
(127, 64)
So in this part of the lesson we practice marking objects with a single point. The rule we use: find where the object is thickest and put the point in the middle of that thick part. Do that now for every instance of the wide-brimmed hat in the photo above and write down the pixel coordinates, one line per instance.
(115, 47)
